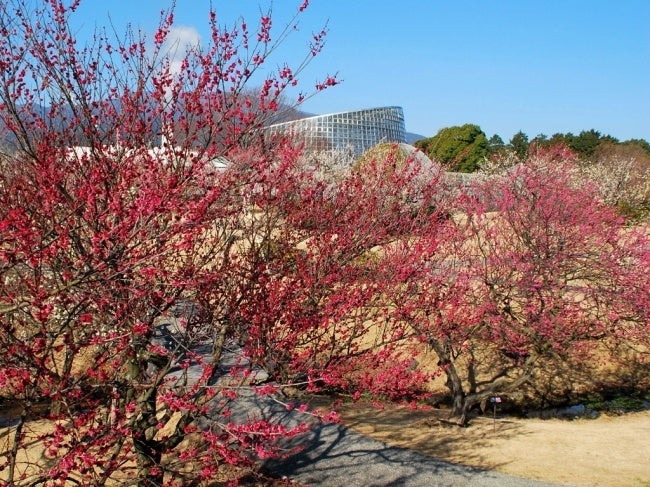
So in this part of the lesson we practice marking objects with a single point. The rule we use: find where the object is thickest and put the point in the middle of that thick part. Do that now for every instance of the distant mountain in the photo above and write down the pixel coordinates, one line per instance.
(411, 138)
(287, 113)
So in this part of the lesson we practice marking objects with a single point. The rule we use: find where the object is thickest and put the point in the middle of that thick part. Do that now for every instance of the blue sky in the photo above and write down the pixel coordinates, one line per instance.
(537, 66)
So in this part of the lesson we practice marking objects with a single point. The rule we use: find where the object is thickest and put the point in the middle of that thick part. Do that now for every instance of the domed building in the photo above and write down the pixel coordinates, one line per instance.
(352, 131)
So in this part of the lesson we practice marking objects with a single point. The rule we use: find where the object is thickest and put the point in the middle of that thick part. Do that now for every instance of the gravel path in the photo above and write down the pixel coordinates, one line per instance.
(336, 456)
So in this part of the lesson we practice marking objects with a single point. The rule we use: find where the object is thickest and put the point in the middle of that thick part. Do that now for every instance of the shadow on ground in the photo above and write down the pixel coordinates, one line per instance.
(334, 455)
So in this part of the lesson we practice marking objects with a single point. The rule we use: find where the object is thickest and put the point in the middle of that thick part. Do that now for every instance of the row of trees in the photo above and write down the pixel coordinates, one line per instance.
(588, 145)
(621, 169)
(463, 148)
(126, 268)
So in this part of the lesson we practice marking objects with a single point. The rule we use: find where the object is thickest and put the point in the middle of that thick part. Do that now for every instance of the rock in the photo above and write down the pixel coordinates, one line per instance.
(569, 412)
(572, 411)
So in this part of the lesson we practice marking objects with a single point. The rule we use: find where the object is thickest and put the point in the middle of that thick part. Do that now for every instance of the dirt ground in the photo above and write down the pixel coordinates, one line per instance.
(610, 451)
(607, 451)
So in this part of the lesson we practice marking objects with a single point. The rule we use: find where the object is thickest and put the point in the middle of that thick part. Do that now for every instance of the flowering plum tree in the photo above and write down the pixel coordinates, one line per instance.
(149, 225)
(319, 265)
(537, 268)
(119, 250)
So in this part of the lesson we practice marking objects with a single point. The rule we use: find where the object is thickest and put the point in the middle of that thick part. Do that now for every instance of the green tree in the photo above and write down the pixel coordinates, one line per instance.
(559, 139)
(459, 148)
(496, 144)
(585, 143)
(540, 140)
(519, 144)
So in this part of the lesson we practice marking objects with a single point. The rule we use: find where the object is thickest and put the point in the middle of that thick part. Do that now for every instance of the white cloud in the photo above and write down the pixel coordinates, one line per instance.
(180, 39)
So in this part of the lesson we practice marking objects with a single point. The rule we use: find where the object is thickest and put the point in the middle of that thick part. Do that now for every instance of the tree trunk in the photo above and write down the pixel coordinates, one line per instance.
(147, 448)
(150, 473)
(13, 454)
(499, 385)
(455, 386)
(454, 382)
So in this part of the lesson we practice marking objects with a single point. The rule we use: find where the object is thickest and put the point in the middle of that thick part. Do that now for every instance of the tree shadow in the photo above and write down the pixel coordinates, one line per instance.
(333, 454)
(610, 371)
(429, 431)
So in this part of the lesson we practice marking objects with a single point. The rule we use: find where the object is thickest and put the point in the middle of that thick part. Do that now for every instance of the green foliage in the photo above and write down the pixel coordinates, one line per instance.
(496, 144)
(559, 139)
(626, 403)
(585, 143)
(459, 148)
(422, 144)
(541, 139)
(519, 144)
(595, 402)
(618, 403)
